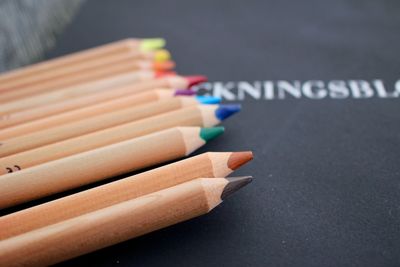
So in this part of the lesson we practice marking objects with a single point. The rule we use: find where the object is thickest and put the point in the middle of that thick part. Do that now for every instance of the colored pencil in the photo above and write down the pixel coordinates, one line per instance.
(121, 84)
(118, 223)
(90, 99)
(81, 77)
(101, 62)
(107, 114)
(201, 115)
(107, 100)
(74, 59)
(212, 164)
(76, 91)
(8, 120)
(62, 132)
(95, 165)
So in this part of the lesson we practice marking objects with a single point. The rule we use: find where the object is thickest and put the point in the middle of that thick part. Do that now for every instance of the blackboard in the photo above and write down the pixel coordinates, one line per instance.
(327, 168)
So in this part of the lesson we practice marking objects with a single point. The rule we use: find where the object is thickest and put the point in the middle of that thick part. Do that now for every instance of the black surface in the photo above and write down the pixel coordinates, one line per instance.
(326, 188)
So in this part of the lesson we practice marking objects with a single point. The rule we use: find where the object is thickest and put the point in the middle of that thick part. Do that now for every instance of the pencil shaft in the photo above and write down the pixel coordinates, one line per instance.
(62, 73)
(12, 119)
(118, 47)
(204, 165)
(128, 102)
(190, 116)
(95, 165)
(75, 91)
(114, 224)
(89, 125)
(92, 75)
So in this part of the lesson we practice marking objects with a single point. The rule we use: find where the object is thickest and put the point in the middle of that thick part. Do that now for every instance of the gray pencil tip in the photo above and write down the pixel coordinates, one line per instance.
(234, 184)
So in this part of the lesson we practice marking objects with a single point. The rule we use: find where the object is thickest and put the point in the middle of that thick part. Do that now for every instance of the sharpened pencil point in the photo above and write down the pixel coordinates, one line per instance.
(151, 44)
(234, 184)
(162, 55)
(225, 111)
(237, 159)
(195, 79)
(208, 134)
(184, 92)
(208, 99)
(163, 65)
(161, 74)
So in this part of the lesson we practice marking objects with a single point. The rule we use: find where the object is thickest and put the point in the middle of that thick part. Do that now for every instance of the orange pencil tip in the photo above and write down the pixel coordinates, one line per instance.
(237, 159)
(163, 65)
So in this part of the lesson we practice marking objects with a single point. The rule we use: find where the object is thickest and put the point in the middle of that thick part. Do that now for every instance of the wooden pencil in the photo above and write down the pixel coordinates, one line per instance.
(61, 73)
(99, 164)
(201, 115)
(127, 65)
(16, 125)
(117, 223)
(101, 62)
(8, 120)
(75, 91)
(124, 67)
(74, 59)
(81, 127)
(114, 108)
(212, 164)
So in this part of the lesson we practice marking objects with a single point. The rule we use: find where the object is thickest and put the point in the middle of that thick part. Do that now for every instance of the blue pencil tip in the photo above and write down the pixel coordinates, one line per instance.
(225, 111)
(208, 99)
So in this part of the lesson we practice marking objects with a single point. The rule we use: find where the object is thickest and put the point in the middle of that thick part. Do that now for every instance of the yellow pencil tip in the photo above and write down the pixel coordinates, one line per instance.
(162, 55)
(152, 44)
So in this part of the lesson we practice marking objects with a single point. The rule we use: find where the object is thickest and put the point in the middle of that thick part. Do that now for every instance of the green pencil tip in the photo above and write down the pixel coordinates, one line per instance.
(208, 134)
(152, 44)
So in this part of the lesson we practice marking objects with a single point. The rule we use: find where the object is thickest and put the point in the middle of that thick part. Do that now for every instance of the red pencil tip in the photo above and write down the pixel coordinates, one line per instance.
(195, 79)
(160, 74)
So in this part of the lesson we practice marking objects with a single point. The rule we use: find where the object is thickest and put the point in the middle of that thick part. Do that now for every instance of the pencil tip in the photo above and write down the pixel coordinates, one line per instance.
(237, 159)
(195, 79)
(225, 111)
(184, 92)
(163, 65)
(162, 55)
(208, 134)
(208, 99)
(161, 74)
(151, 44)
(234, 184)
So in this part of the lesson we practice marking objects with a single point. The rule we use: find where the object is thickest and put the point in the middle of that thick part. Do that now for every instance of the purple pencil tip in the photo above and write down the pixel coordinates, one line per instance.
(184, 92)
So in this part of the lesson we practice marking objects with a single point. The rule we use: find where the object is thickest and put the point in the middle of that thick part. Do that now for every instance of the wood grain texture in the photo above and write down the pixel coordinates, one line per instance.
(95, 165)
(113, 224)
(204, 165)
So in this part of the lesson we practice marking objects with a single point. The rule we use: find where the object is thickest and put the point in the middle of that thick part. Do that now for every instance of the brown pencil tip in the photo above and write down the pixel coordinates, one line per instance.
(237, 159)
(234, 184)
